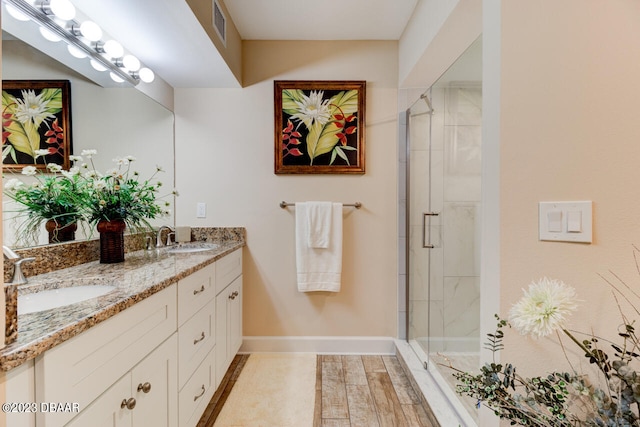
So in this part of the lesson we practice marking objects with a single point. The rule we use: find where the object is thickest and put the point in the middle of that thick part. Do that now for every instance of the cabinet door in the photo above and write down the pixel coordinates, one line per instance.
(106, 410)
(154, 386)
(221, 335)
(234, 317)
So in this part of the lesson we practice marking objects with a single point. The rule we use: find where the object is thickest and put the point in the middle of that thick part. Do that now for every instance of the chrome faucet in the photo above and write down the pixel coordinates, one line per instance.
(159, 242)
(18, 276)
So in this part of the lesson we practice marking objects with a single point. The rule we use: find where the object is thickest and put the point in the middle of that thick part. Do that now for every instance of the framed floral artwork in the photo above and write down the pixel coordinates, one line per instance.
(319, 127)
(36, 123)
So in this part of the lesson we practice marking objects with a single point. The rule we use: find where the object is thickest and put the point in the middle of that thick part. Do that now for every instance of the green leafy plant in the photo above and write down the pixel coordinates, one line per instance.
(55, 195)
(83, 194)
(120, 194)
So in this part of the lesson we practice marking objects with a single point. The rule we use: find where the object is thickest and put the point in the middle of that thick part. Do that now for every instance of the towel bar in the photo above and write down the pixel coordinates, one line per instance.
(356, 205)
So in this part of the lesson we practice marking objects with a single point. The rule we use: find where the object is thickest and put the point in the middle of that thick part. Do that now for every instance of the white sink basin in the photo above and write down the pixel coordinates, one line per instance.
(185, 248)
(53, 298)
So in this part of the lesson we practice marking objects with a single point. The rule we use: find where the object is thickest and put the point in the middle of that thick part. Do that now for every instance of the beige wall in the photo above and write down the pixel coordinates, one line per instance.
(224, 157)
(569, 131)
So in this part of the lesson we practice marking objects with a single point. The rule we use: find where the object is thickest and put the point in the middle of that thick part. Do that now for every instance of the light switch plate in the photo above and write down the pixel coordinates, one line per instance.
(201, 210)
(581, 211)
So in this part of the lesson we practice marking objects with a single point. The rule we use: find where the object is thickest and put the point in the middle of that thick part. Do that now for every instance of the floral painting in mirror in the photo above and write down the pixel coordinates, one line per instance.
(36, 116)
(319, 127)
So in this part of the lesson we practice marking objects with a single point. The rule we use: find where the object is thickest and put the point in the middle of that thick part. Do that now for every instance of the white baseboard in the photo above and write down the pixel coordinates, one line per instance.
(322, 345)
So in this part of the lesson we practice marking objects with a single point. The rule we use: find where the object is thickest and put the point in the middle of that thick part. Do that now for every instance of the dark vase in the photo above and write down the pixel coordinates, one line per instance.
(57, 233)
(111, 240)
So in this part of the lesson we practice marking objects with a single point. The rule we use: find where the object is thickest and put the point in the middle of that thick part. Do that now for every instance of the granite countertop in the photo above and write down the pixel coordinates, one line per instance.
(142, 274)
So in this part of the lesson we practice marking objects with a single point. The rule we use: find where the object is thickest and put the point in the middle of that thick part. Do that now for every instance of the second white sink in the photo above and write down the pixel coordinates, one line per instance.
(53, 298)
(185, 248)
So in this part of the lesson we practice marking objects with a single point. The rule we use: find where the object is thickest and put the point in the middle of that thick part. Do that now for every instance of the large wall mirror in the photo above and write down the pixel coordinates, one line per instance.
(116, 122)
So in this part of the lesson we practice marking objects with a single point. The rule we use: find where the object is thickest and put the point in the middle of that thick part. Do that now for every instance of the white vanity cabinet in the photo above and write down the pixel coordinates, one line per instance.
(196, 341)
(228, 311)
(140, 398)
(20, 387)
(116, 355)
(157, 363)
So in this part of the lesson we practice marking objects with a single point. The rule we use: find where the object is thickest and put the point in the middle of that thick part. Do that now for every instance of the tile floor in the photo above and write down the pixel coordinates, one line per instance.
(351, 391)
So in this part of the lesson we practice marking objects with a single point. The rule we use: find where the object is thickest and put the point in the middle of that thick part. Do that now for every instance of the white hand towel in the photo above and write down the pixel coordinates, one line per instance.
(319, 269)
(319, 219)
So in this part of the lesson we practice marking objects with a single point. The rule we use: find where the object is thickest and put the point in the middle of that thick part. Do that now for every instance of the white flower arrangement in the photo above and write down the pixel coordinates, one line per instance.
(563, 399)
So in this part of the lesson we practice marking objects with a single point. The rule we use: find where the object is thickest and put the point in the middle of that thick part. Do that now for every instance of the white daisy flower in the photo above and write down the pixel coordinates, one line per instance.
(13, 184)
(544, 308)
(29, 170)
(53, 167)
(89, 153)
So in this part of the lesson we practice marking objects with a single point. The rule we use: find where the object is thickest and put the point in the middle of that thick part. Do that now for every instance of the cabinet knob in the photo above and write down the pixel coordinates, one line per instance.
(200, 395)
(128, 403)
(145, 388)
(196, 341)
(233, 295)
(197, 291)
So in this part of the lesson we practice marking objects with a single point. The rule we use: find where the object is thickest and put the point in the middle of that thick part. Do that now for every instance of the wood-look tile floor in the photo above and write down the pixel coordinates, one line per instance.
(351, 391)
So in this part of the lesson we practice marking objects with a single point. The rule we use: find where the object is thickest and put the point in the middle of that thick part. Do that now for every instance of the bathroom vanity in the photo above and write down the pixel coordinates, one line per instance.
(151, 352)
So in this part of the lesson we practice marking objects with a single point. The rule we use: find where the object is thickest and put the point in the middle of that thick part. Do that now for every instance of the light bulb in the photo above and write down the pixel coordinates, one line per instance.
(131, 63)
(146, 75)
(97, 66)
(15, 13)
(63, 9)
(49, 35)
(75, 52)
(113, 49)
(91, 31)
(116, 78)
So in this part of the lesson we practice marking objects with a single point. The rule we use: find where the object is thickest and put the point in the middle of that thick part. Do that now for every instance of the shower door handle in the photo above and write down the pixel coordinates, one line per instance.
(425, 244)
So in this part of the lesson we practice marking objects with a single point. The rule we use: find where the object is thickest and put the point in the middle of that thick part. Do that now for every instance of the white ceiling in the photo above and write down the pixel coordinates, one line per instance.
(320, 19)
(166, 36)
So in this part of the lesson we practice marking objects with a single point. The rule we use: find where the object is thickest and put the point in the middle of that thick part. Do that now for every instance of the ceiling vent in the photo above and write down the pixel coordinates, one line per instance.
(220, 22)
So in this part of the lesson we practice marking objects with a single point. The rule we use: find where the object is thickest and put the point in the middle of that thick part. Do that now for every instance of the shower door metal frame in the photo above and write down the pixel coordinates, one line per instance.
(426, 243)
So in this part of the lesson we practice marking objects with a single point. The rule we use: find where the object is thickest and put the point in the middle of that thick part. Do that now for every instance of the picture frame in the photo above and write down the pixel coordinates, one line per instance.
(44, 125)
(319, 126)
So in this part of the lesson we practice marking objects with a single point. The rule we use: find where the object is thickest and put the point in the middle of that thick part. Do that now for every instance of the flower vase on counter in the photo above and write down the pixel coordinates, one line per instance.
(61, 233)
(111, 240)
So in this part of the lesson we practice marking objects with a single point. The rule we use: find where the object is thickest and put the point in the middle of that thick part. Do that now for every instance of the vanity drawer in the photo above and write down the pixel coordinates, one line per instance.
(197, 392)
(195, 341)
(195, 291)
(82, 368)
(227, 269)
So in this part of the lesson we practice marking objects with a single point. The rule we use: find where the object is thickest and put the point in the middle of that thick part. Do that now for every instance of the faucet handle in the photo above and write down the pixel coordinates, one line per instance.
(18, 276)
(169, 241)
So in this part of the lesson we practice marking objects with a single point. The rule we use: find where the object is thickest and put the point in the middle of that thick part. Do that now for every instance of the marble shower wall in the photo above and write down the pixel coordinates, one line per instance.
(455, 309)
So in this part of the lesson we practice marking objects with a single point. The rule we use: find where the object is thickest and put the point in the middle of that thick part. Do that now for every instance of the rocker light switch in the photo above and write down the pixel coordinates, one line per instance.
(554, 221)
(574, 222)
(565, 221)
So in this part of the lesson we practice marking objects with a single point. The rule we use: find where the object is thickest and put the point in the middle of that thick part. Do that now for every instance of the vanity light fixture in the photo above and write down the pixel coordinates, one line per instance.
(112, 48)
(89, 30)
(16, 14)
(49, 35)
(62, 9)
(55, 18)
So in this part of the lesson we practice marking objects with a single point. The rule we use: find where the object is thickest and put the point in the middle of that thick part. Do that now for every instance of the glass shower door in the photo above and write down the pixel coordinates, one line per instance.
(443, 219)
(422, 222)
